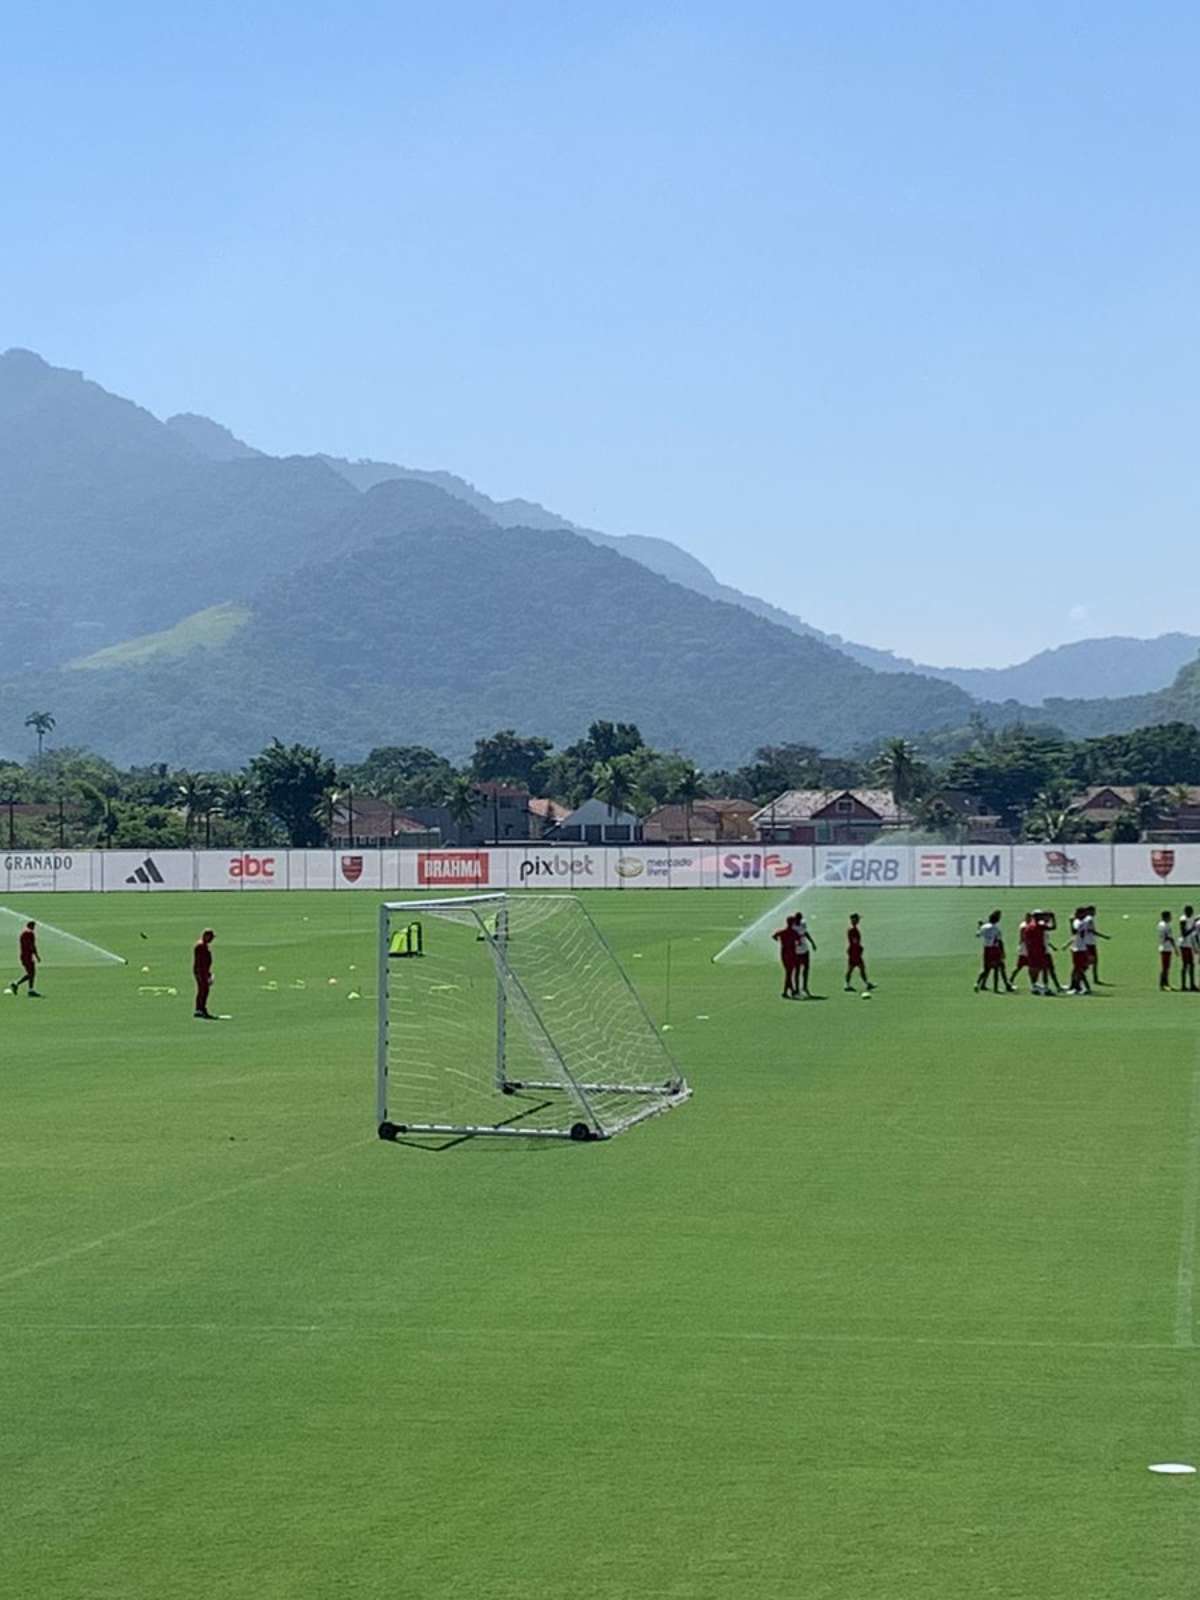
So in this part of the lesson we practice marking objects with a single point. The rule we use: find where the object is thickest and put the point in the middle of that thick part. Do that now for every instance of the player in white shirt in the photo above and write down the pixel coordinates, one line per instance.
(993, 956)
(1189, 943)
(1092, 933)
(1166, 949)
(1081, 953)
(805, 943)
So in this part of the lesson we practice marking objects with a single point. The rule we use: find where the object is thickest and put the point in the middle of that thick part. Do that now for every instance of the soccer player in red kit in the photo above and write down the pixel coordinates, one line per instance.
(1035, 954)
(788, 940)
(1023, 960)
(854, 955)
(27, 951)
(202, 972)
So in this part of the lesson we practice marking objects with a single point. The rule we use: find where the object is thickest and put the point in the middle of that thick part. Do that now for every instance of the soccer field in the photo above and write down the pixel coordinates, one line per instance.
(901, 1304)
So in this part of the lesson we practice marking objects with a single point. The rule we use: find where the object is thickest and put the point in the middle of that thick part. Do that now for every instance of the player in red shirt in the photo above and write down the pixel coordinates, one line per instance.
(1024, 962)
(1035, 954)
(202, 972)
(788, 940)
(28, 953)
(854, 955)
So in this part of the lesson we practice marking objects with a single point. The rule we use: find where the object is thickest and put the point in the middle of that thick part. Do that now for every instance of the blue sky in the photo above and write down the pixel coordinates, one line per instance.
(888, 312)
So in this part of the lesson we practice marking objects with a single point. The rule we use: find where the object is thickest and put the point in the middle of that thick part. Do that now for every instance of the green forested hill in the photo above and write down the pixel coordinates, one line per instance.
(436, 634)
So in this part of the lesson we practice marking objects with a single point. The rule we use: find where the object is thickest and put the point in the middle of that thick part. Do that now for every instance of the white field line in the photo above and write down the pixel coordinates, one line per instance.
(1185, 1275)
(99, 1243)
(393, 1330)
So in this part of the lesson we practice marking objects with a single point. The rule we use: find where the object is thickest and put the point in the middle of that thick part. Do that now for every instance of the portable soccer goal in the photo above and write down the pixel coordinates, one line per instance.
(510, 1015)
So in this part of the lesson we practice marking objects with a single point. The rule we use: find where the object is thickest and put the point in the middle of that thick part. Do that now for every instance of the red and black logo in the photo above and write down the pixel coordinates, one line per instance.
(1163, 862)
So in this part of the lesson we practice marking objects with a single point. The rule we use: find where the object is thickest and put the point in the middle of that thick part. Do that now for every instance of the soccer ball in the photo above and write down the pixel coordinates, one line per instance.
(866, 994)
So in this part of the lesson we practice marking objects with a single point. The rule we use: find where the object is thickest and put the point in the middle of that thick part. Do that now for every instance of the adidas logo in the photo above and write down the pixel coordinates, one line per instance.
(147, 873)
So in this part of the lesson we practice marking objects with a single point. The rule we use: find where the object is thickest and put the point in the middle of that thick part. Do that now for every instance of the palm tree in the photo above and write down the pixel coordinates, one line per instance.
(896, 767)
(1179, 799)
(1147, 807)
(199, 798)
(100, 810)
(41, 722)
(462, 801)
(611, 782)
(688, 788)
(1050, 819)
(237, 799)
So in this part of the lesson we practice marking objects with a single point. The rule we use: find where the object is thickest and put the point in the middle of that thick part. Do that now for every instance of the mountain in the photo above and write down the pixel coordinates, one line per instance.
(425, 623)
(209, 438)
(133, 526)
(193, 597)
(1089, 668)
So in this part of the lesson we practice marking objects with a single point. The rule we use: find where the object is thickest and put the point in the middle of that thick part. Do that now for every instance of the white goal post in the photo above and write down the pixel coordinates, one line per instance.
(509, 1015)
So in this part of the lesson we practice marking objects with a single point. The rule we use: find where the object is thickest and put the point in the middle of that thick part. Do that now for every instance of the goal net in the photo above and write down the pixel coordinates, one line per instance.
(509, 1015)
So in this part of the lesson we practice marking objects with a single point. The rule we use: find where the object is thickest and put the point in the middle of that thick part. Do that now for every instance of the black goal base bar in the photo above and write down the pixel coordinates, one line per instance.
(578, 1132)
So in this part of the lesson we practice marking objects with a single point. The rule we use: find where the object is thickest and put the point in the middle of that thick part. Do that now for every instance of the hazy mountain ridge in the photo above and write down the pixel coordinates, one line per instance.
(404, 610)
(412, 630)
(133, 527)
(1087, 668)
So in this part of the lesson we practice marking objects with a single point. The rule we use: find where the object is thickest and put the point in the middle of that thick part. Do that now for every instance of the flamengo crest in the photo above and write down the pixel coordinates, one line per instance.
(1163, 862)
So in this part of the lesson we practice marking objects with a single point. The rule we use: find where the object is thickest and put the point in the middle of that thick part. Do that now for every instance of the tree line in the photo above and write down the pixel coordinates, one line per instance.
(293, 794)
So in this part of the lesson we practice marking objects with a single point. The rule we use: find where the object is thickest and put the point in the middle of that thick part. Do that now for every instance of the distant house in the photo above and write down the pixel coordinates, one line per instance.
(1102, 802)
(594, 823)
(711, 822)
(375, 822)
(971, 824)
(1179, 818)
(828, 816)
(545, 816)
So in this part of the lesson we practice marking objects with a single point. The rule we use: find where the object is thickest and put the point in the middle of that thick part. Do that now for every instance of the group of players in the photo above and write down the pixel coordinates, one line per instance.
(797, 945)
(1035, 954)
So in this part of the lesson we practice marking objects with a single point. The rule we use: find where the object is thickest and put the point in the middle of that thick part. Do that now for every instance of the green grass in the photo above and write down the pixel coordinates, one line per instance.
(893, 1308)
(206, 629)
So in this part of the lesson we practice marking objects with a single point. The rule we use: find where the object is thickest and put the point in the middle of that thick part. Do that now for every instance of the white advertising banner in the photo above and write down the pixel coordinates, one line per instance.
(763, 866)
(885, 866)
(561, 867)
(455, 869)
(43, 871)
(147, 870)
(655, 867)
(1156, 863)
(976, 866)
(580, 867)
(241, 869)
(1058, 866)
(357, 869)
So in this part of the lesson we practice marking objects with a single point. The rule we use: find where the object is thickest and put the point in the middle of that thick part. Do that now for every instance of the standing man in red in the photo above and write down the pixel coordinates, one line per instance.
(202, 972)
(28, 952)
(854, 955)
(1034, 954)
(788, 941)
